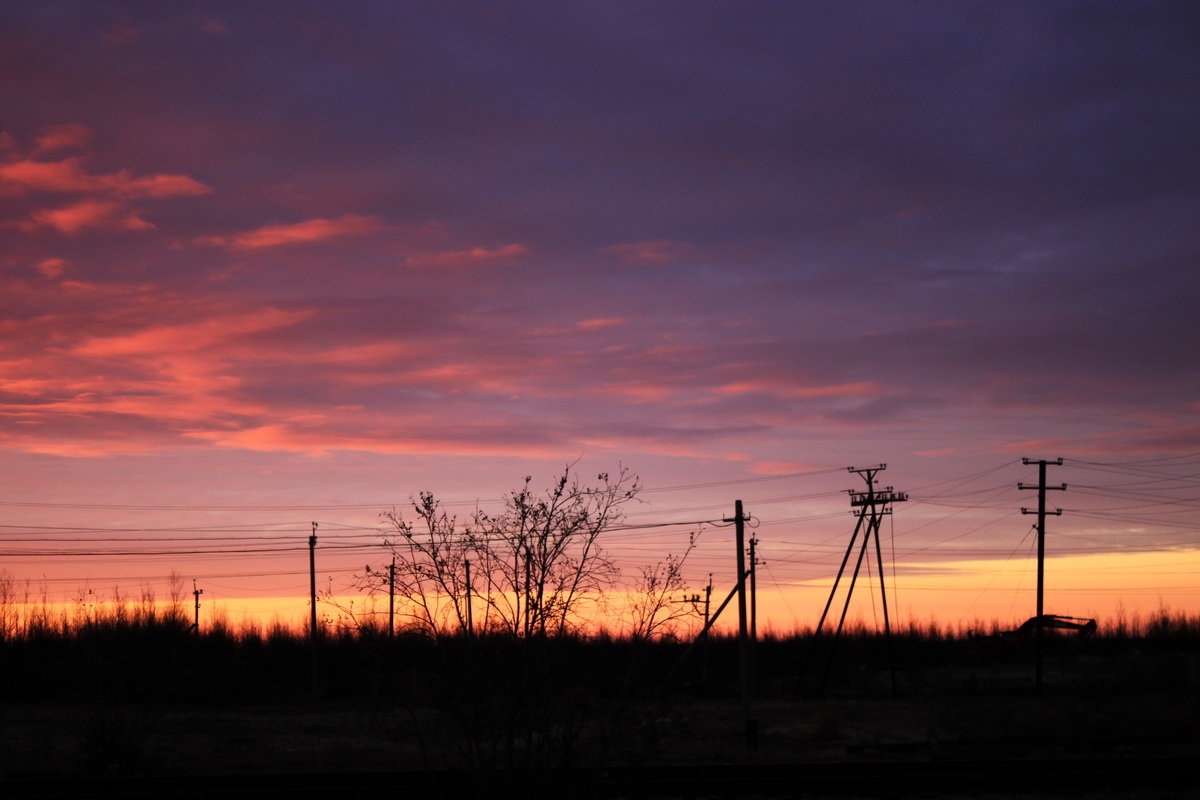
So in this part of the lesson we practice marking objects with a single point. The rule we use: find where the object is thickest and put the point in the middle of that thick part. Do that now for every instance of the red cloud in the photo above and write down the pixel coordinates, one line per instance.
(780, 467)
(156, 186)
(58, 137)
(99, 214)
(48, 176)
(801, 392)
(191, 336)
(462, 258)
(320, 441)
(52, 267)
(658, 251)
(68, 176)
(131, 368)
(600, 322)
(313, 230)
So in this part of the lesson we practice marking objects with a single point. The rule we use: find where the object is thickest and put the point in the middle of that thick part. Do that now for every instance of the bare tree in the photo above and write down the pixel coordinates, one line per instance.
(533, 565)
(544, 557)
(430, 573)
(658, 605)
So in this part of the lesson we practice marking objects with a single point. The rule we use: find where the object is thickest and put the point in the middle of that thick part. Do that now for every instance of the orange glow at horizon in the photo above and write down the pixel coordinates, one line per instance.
(953, 595)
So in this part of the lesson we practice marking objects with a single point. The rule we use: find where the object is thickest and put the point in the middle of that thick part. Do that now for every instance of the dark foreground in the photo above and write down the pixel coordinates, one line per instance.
(1125, 778)
(601, 720)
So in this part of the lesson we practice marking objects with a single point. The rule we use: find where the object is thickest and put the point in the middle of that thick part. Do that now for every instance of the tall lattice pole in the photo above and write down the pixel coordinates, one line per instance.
(870, 506)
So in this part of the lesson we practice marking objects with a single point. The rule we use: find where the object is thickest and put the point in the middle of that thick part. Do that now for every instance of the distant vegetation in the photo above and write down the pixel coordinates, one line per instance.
(141, 648)
(498, 701)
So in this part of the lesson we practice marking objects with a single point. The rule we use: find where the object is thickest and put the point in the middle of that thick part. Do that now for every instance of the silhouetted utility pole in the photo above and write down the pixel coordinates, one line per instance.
(753, 570)
(753, 591)
(744, 644)
(872, 506)
(1041, 512)
(196, 594)
(711, 619)
(707, 622)
(392, 598)
(312, 599)
(707, 599)
(470, 618)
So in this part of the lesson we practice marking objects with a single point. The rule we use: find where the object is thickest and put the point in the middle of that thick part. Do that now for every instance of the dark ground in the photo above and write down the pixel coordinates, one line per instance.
(965, 727)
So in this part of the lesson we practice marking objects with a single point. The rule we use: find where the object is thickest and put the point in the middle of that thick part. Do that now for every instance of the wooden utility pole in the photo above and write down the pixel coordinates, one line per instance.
(707, 599)
(744, 643)
(470, 618)
(1041, 512)
(753, 591)
(312, 600)
(753, 570)
(196, 594)
(392, 599)
(707, 622)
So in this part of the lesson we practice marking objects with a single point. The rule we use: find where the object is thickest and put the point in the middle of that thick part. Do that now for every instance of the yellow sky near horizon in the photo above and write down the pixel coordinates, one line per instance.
(955, 595)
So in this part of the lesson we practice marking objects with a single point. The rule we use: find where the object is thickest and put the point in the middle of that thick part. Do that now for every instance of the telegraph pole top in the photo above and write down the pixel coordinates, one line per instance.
(877, 497)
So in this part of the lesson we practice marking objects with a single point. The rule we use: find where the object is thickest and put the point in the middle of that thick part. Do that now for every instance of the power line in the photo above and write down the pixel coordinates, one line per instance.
(379, 505)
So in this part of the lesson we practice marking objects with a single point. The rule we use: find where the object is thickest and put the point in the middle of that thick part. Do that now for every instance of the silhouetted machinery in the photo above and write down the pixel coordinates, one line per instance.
(1081, 627)
(1057, 627)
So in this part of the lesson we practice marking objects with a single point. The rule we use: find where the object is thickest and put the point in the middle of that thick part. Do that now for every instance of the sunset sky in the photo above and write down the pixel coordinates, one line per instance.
(271, 263)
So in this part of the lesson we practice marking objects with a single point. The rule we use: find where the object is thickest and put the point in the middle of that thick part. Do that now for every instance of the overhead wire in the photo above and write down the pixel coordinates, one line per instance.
(631, 537)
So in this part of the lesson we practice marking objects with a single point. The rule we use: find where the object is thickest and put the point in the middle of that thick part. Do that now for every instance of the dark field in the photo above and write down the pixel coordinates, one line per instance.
(151, 702)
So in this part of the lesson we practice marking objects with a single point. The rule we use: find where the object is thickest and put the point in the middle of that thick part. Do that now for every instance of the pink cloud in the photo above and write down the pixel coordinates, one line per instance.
(204, 333)
(75, 448)
(783, 389)
(120, 35)
(1178, 437)
(320, 441)
(59, 137)
(597, 323)
(69, 176)
(476, 255)
(371, 354)
(308, 232)
(52, 267)
(640, 391)
(156, 186)
(131, 368)
(48, 176)
(780, 467)
(658, 251)
(90, 213)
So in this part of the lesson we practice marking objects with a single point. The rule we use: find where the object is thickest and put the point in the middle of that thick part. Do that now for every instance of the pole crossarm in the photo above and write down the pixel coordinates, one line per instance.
(876, 497)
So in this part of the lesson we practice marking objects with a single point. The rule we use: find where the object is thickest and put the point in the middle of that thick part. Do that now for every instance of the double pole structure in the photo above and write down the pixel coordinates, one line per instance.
(1041, 512)
(747, 633)
(870, 507)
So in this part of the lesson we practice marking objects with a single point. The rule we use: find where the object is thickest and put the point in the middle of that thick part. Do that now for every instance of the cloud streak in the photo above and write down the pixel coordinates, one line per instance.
(307, 232)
